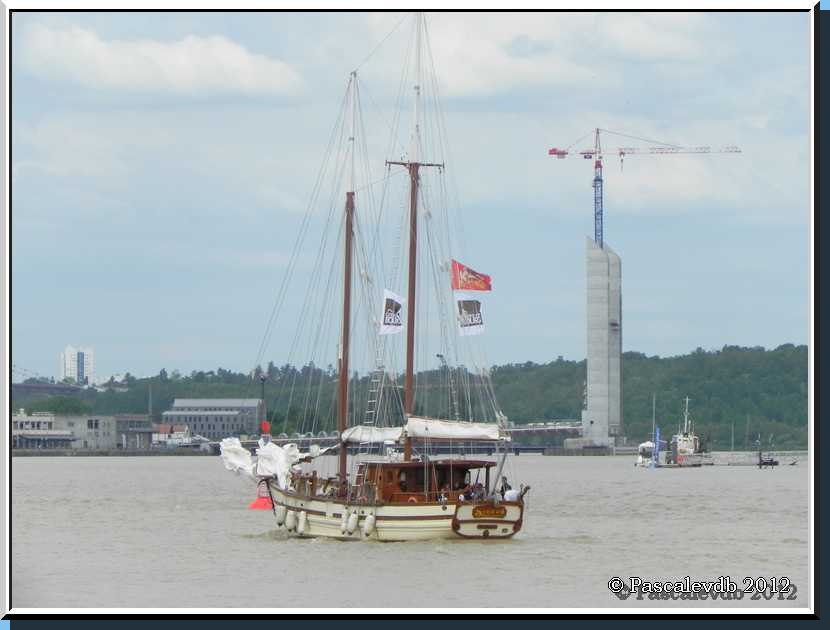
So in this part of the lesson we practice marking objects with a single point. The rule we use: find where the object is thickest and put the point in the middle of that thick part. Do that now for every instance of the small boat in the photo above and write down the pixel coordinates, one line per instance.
(645, 454)
(766, 461)
(686, 448)
(649, 452)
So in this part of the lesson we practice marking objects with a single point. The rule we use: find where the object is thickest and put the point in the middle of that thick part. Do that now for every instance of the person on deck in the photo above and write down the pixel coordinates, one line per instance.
(445, 492)
(504, 486)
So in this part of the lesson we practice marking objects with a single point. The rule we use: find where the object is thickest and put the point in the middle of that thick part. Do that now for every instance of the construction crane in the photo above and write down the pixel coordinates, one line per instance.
(595, 154)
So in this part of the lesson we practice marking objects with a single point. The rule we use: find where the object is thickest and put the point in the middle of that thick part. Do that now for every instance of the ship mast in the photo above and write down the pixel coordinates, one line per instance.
(343, 367)
(413, 166)
(686, 418)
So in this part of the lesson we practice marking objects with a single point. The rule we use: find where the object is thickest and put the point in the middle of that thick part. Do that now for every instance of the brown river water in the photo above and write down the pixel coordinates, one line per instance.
(175, 532)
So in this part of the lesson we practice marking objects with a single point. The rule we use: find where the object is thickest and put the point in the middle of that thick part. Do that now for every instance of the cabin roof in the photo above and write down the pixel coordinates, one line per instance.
(441, 463)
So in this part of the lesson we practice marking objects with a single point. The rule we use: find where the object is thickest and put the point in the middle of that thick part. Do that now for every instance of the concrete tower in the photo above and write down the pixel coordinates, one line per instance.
(602, 418)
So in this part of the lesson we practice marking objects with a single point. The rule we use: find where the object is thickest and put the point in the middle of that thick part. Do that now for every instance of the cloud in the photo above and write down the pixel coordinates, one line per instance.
(120, 165)
(72, 149)
(659, 37)
(487, 53)
(191, 65)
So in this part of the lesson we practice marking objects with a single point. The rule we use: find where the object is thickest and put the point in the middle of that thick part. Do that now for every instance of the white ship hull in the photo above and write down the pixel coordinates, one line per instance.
(323, 517)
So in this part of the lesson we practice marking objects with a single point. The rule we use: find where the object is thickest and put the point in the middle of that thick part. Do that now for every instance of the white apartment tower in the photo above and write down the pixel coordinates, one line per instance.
(78, 365)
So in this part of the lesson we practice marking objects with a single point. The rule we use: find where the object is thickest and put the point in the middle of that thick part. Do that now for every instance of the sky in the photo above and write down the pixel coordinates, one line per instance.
(161, 165)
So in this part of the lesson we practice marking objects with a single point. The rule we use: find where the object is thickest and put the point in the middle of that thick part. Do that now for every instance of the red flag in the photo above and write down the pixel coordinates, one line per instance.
(466, 279)
(265, 426)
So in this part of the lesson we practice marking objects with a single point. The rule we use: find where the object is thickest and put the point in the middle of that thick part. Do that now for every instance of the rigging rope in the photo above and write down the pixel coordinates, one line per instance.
(381, 42)
(281, 293)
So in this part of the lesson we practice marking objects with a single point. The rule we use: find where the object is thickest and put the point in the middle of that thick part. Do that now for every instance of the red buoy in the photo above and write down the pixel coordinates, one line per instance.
(263, 499)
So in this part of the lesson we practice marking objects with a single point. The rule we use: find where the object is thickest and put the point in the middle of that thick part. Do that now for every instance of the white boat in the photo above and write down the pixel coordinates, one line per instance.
(649, 452)
(415, 491)
(645, 454)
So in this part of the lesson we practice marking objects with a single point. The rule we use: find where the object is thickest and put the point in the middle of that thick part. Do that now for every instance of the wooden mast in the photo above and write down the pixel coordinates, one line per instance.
(343, 367)
(413, 167)
(409, 391)
(343, 398)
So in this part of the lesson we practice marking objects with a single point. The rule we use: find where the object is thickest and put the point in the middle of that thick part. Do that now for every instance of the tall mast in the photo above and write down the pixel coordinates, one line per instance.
(413, 166)
(409, 393)
(686, 417)
(343, 368)
(653, 412)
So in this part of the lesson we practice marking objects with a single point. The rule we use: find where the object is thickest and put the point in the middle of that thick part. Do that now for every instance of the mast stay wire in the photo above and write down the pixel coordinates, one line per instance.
(381, 42)
(282, 291)
(299, 241)
(388, 274)
(480, 370)
(335, 147)
(316, 342)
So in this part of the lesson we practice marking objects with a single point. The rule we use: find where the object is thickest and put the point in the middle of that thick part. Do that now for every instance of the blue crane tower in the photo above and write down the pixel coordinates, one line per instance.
(595, 154)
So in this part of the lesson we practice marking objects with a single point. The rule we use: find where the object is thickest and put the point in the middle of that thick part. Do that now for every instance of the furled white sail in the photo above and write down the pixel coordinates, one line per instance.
(431, 428)
(276, 461)
(236, 457)
(361, 434)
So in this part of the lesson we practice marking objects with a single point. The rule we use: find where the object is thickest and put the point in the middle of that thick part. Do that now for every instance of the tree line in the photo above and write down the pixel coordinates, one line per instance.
(735, 391)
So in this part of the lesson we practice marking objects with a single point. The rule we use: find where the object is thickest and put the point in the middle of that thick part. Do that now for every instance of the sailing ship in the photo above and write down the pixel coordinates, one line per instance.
(412, 475)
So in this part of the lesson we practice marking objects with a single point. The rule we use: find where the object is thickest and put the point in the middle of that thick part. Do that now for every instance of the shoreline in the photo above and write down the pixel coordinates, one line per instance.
(727, 457)
(64, 452)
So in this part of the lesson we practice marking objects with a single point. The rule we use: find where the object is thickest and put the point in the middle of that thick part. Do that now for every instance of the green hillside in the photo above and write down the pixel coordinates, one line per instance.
(765, 390)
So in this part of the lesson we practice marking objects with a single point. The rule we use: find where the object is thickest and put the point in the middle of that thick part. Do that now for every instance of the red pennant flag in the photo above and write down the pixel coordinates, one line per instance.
(466, 279)
(265, 426)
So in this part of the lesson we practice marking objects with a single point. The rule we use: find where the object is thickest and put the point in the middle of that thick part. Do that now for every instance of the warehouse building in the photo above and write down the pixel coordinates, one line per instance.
(217, 418)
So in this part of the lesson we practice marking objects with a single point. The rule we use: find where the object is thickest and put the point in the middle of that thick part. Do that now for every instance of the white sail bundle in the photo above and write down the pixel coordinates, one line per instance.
(272, 460)
(363, 434)
(276, 461)
(432, 428)
(236, 457)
